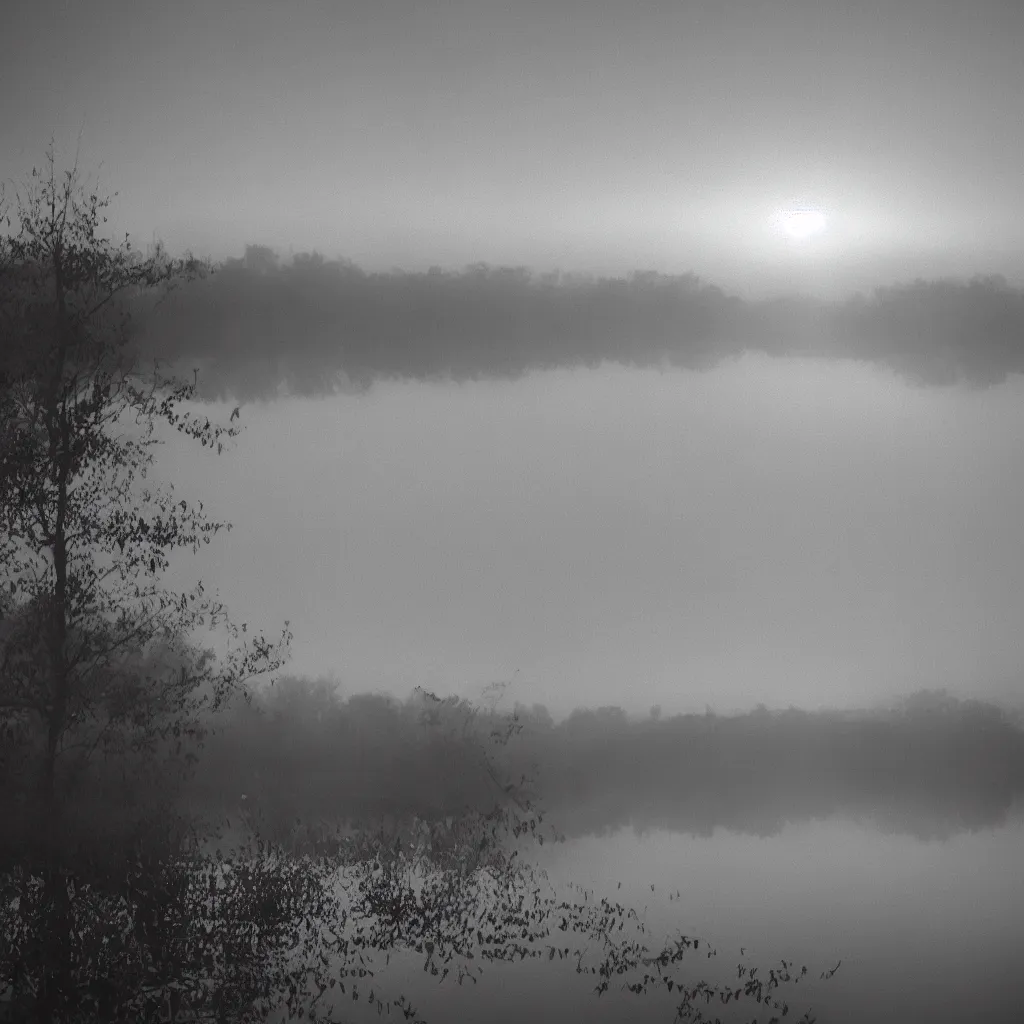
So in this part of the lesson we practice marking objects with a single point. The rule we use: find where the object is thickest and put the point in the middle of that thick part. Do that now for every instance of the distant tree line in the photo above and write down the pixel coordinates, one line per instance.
(313, 325)
(931, 766)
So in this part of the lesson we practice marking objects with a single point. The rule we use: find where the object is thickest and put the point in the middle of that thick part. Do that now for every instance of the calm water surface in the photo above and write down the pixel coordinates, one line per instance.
(926, 930)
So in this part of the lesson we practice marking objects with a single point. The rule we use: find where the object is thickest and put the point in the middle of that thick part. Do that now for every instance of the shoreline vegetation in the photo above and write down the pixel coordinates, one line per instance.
(929, 767)
(404, 843)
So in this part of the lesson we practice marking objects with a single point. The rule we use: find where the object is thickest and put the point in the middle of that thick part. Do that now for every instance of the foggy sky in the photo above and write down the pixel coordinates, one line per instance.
(579, 134)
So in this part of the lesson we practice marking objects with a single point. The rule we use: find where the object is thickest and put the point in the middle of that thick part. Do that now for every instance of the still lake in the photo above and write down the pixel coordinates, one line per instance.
(927, 930)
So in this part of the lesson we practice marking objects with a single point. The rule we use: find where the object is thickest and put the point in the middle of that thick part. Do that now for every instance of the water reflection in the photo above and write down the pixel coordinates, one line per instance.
(889, 840)
(926, 930)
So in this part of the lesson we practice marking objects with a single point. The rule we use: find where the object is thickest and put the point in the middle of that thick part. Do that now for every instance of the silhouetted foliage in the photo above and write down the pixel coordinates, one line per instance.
(101, 686)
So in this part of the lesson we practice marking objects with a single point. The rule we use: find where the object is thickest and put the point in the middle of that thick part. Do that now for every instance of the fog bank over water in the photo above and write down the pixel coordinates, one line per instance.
(931, 766)
(315, 326)
(778, 530)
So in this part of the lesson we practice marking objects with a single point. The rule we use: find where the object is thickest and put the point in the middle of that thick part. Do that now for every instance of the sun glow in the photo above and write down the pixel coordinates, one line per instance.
(800, 223)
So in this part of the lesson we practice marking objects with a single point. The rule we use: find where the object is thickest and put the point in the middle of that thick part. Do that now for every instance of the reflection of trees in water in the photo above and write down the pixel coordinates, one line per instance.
(932, 766)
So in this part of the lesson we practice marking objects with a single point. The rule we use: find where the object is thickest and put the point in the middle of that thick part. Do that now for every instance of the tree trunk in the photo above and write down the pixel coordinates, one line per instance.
(57, 992)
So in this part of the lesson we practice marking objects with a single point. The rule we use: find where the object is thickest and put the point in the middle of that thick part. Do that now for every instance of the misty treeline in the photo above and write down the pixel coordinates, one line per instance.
(311, 325)
(930, 766)
(125, 894)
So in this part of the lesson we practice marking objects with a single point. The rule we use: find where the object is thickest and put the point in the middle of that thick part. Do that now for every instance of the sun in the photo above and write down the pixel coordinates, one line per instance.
(800, 223)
